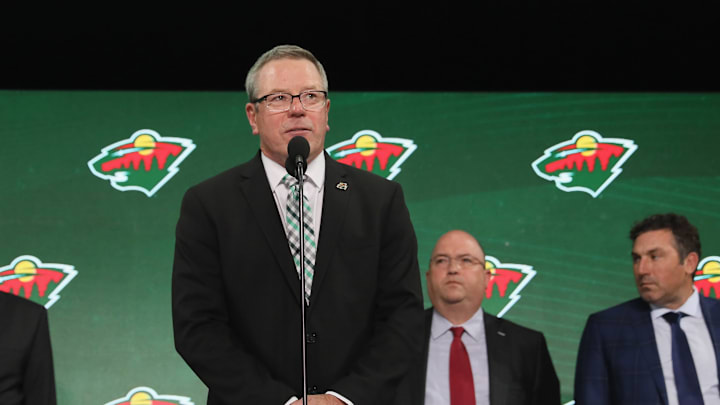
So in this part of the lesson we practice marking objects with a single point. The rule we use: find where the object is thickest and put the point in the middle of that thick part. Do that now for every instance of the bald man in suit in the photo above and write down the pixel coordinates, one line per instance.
(510, 364)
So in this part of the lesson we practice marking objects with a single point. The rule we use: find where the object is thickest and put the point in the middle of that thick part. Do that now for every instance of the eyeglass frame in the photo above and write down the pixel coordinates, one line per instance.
(463, 265)
(292, 98)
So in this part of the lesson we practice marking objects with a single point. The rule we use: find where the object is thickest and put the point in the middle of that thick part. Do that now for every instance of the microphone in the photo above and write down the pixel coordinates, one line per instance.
(298, 151)
(296, 163)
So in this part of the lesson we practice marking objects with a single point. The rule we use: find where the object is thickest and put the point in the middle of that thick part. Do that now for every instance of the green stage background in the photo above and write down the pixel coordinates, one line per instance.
(471, 169)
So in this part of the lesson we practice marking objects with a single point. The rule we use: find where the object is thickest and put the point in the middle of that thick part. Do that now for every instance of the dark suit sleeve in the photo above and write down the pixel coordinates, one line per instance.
(201, 321)
(39, 379)
(591, 373)
(398, 319)
(546, 388)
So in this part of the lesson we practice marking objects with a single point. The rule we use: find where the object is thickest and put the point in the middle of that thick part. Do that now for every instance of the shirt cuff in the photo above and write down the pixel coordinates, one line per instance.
(335, 394)
(340, 397)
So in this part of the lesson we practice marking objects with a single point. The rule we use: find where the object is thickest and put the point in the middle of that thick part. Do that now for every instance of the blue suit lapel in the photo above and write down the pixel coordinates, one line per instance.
(648, 347)
(711, 311)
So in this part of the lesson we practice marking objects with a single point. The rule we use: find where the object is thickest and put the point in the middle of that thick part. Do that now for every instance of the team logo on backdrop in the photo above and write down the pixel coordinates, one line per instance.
(148, 396)
(506, 282)
(144, 162)
(368, 150)
(707, 277)
(588, 162)
(28, 277)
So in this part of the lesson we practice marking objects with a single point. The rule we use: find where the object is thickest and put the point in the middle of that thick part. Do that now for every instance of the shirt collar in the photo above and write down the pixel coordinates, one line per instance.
(474, 326)
(315, 173)
(691, 307)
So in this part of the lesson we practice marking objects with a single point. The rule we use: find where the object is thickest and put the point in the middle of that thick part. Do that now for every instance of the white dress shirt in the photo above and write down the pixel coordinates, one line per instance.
(701, 348)
(437, 380)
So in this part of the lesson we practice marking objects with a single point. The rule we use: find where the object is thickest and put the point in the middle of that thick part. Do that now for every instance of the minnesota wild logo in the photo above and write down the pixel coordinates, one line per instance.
(368, 150)
(144, 162)
(707, 277)
(505, 283)
(588, 162)
(27, 276)
(148, 396)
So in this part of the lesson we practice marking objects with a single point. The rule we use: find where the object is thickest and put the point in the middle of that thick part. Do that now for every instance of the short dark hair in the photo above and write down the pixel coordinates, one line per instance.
(686, 236)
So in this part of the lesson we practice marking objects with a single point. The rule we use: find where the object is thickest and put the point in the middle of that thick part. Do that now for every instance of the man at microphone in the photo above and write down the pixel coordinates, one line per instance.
(236, 286)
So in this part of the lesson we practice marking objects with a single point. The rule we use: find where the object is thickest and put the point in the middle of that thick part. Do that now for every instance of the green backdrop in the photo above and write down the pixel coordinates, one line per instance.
(465, 161)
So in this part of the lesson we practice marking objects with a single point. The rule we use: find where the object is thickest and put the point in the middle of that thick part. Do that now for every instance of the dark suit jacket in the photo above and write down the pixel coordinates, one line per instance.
(236, 292)
(521, 371)
(618, 361)
(26, 365)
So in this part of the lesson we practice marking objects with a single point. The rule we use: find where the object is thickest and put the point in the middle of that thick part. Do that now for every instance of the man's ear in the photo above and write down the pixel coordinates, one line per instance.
(251, 112)
(327, 120)
(691, 262)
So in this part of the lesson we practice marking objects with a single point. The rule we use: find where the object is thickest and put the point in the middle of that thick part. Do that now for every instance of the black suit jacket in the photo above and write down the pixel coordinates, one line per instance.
(26, 365)
(236, 292)
(519, 364)
(618, 361)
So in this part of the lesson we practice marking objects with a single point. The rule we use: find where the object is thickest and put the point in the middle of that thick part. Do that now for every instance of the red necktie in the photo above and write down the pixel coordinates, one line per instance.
(462, 388)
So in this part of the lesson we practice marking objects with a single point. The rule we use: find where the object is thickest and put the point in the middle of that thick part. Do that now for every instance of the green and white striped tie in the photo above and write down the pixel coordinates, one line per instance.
(292, 218)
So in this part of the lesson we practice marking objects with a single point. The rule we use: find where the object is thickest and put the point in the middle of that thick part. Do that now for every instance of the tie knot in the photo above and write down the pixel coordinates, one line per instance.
(673, 317)
(289, 181)
(457, 331)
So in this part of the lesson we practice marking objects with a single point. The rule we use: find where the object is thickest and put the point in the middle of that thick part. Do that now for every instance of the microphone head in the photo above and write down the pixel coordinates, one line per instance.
(298, 146)
(298, 151)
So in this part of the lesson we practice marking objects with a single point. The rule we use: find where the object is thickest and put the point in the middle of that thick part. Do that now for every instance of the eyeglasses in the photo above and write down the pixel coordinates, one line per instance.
(465, 262)
(311, 100)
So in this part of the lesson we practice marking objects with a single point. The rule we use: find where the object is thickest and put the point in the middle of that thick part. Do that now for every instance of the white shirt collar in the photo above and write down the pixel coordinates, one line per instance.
(691, 307)
(474, 326)
(315, 173)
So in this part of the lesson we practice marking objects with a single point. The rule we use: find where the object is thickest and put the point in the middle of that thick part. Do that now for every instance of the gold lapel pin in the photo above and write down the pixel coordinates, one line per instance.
(341, 186)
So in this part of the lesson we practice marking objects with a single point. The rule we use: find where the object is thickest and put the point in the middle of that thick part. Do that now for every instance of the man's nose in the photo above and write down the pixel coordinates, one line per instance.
(296, 106)
(641, 266)
(454, 266)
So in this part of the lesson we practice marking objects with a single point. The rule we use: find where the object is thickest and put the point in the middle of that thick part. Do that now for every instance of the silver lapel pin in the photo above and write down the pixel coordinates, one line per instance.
(342, 186)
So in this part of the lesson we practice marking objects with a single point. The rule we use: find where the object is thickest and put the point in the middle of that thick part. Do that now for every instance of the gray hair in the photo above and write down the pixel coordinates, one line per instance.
(281, 52)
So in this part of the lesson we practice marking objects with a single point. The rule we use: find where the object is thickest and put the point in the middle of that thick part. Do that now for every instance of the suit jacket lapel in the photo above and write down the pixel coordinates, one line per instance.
(335, 202)
(645, 336)
(497, 366)
(254, 186)
(711, 313)
(421, 374)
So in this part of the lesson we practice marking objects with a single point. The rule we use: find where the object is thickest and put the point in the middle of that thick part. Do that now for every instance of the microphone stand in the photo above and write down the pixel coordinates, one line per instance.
(301, 211)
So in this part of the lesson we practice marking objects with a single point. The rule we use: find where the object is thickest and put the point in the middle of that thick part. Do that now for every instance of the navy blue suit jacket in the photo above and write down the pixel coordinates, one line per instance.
(618, 361)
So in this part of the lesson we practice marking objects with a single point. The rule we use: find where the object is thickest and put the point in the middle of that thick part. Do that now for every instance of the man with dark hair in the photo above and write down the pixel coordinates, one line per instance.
(684, 233)
(26, 363)
(236, 286)
(661, 348)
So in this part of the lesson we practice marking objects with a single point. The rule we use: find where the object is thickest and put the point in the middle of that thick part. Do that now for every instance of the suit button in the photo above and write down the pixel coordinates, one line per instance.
(314, 390)
(311, 337)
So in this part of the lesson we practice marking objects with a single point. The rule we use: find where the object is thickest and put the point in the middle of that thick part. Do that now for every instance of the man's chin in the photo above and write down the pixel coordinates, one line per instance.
(454, 297)
(651, 297)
